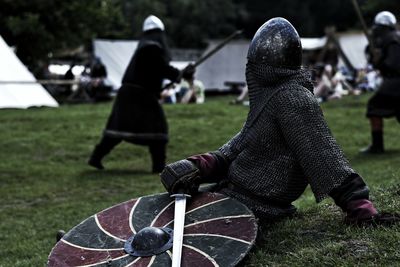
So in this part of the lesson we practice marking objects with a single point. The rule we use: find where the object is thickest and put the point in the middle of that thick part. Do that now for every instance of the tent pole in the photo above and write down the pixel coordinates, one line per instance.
(61, 82)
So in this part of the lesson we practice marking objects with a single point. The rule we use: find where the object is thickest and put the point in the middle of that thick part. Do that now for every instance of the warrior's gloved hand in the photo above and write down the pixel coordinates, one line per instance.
(187, 175)
(188, 72)
(181, 177)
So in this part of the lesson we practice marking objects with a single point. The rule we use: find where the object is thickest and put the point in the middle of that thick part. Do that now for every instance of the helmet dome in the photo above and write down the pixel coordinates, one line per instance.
(385, 18)
(277, 44)
(152, 23)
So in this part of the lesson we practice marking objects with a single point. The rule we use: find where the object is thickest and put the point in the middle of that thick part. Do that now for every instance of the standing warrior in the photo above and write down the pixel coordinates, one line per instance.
(386, 58)
(284, 145)
(137, 117)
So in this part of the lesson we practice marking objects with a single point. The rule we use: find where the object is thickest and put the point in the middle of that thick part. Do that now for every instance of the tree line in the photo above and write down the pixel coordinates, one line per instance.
(40, 29)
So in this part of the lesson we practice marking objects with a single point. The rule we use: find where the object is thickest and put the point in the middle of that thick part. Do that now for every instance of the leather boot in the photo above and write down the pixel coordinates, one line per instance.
(377, 144)
(158, 156)
(95, 159)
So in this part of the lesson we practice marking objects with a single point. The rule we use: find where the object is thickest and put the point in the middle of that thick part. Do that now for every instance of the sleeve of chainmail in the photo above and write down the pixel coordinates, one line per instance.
(307, 135)
(231, 149)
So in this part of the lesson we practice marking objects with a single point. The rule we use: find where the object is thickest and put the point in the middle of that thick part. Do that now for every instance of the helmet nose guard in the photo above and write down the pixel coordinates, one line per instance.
(277, 44)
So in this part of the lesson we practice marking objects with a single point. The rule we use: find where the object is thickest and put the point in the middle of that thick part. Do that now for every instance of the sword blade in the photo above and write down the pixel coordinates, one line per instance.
(179, 224)
(210, 53)
(217, 48)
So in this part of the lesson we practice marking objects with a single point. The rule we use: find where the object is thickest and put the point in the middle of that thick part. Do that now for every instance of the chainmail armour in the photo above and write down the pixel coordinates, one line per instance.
(284, 145)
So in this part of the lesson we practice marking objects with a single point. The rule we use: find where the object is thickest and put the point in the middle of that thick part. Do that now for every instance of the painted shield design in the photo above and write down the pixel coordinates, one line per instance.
(219, 231)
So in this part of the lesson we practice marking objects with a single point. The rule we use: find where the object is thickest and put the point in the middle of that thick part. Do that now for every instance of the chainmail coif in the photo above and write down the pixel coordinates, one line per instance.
(284, 145)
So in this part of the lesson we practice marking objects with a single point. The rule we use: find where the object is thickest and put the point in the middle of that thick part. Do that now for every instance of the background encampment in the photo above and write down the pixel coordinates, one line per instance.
(227, 66)
(25, 92)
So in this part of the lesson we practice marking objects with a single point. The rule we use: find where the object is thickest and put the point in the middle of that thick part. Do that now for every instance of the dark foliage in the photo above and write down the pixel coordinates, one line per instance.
(42, 28)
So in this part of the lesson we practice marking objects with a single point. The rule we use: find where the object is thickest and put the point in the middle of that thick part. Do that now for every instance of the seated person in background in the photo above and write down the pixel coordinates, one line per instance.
(98, 89)
(98, 70)
(240, 99)
(323, 89)
(362, 80)
(341, 86)
(67, 89)
(168, 95)
(329, 86)
(192, 90)
(374, 79)
(368, 79)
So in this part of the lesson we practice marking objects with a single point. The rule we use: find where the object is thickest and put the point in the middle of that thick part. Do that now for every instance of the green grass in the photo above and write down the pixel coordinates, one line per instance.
(46, 184)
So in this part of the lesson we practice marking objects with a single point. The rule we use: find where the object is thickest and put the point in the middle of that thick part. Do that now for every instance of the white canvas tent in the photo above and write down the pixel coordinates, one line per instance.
(13, 95)
(229, 64)
(353, 45)
(116, 54)
(313, 43)
(226, 65)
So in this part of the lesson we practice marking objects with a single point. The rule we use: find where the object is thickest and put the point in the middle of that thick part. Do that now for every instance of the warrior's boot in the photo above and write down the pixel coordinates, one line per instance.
(377, 144)
(101, 149)
(352, 196)
(158, 156)
(95, 158)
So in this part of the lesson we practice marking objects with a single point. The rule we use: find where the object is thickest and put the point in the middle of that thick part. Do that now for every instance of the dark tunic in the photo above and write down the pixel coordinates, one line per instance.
(386, 101)
(137, 116)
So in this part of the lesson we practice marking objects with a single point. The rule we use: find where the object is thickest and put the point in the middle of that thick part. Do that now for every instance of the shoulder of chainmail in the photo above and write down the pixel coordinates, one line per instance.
(307, 134)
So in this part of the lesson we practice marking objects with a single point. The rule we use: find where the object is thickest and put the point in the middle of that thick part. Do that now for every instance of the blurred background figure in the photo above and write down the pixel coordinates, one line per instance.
(191, 90)
(92, 83)
(385, 56)
(137, 117)
(325, 86)
(341, 85)
(367, 79)
(98, 89)
(330, 84)
(242, 97)
(168, 95)
(98, 70)
(69, 76)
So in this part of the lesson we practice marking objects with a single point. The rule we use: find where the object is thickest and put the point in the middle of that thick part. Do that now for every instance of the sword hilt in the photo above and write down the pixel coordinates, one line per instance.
(181, 195)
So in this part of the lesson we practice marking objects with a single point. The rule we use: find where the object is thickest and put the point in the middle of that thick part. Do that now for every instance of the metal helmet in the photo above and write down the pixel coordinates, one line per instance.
(152, 23)
(385, 18)
(277, 44)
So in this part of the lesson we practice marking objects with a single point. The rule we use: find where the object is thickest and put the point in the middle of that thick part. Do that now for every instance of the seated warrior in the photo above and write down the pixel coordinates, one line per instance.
(284, 145)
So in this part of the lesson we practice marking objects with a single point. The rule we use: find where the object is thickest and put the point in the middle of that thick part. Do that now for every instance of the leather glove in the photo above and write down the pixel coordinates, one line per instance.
(188, 72)
(181, 177)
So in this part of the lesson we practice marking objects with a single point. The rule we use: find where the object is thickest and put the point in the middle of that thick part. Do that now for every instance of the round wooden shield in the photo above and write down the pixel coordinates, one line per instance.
(219, 231)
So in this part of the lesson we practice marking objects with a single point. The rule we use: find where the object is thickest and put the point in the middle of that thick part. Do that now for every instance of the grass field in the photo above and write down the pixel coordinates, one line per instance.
(46, 184)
